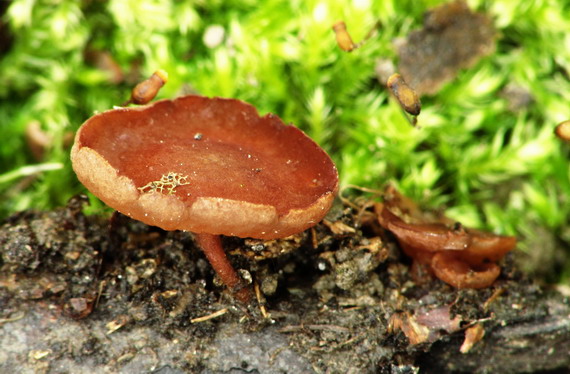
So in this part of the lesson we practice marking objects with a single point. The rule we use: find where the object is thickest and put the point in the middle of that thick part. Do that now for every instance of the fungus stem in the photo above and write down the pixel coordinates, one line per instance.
(212, 247)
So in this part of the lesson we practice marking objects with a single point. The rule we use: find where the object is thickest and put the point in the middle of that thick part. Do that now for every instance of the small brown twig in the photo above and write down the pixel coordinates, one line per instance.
(260, 301)
(210, 316)
(18, 316)
(498, 292)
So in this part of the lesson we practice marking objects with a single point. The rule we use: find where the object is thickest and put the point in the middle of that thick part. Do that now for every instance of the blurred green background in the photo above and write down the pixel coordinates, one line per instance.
(485, 164)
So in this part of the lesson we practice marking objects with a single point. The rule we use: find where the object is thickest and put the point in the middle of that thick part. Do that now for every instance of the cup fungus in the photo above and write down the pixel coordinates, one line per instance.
(461, 257)
(211, 166)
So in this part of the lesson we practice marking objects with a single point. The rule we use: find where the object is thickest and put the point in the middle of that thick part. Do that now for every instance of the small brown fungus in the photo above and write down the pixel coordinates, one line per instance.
(146, 163)
(459, 256)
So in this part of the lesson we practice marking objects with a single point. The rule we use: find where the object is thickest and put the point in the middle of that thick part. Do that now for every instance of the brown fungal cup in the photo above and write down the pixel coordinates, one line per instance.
(211, 166)
(459, 256)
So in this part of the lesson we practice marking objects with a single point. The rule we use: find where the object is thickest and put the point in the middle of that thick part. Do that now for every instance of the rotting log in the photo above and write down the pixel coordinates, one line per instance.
(80, 294)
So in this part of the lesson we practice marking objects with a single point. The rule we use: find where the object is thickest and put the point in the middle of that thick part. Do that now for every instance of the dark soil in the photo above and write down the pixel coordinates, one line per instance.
(95, 294)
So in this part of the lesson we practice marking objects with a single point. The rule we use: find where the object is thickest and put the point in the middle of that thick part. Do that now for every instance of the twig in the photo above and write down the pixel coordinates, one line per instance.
(102, 285)
(14, 318)
(498, 292)
(260, 301)
(334, 328)
(219, 313)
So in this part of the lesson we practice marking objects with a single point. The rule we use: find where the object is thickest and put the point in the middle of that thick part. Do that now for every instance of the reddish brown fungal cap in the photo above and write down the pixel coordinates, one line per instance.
(207, 166)
(454, 271)
(429, 237)
(461, 257)
(487, 247)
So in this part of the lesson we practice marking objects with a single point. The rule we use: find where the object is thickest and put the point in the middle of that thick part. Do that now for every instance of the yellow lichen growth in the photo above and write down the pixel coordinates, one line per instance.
(167, 183)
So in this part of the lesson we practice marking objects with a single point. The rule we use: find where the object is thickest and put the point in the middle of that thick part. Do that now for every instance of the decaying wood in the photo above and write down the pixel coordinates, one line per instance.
(344, 302)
